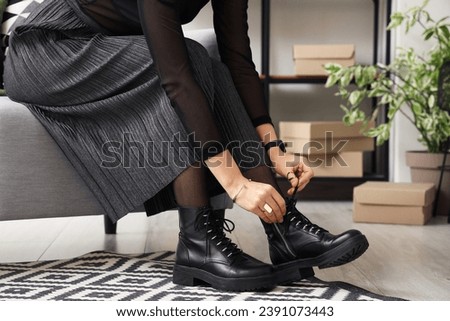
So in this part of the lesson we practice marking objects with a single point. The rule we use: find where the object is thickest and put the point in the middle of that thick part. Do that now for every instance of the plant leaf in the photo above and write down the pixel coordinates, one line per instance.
(396, 20)
(416, 108)
(332, 67)
(428, 33)
(346, 77)
(431, 101)
(445, 31)
(355, 98)
(331, 80)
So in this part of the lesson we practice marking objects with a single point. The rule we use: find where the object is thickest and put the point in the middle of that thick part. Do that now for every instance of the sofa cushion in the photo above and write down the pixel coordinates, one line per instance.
(207, 38)
(36, 179)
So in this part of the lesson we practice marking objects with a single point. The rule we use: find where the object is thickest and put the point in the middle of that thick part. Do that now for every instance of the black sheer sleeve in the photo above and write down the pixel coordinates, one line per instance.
(161, 25)
(231, 27)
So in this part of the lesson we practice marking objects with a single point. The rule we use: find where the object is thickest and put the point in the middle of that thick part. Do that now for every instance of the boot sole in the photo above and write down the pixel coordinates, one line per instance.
(342, 254)
(288, 273)
(345, 254)
(190, 276)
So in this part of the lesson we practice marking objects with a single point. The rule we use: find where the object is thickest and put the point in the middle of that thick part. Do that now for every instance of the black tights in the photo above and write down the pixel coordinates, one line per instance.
(190, 187)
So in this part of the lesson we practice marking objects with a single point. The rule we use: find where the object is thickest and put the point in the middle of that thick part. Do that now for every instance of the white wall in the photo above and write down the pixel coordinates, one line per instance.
(324, 21)
(405, 134)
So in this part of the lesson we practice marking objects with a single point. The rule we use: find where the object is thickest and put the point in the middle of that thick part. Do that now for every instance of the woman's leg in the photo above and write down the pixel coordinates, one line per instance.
(238, 130)
(204, 253)
(190, 188)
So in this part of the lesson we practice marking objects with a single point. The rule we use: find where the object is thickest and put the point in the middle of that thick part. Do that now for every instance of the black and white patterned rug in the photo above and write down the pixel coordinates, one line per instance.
(101, 276)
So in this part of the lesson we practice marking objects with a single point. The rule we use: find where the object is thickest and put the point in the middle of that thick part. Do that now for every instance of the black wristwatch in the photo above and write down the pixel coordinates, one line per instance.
(275, 143)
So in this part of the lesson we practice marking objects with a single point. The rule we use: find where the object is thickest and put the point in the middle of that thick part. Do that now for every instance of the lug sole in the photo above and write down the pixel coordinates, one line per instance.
(342, 254)
(191, 276)
(286, 274)
(347, 255)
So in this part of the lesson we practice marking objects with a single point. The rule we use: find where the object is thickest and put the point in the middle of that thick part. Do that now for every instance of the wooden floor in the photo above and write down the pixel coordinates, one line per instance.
(411, 262)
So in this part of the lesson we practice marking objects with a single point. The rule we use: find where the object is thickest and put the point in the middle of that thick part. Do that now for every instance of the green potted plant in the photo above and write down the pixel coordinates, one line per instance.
(409, 82)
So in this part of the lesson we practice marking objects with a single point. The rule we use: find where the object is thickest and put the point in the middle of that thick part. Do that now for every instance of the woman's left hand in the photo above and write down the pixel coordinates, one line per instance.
(292, 168)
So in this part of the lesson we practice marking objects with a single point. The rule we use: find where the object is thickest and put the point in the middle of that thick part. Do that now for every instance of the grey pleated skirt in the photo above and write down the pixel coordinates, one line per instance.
(100, 98)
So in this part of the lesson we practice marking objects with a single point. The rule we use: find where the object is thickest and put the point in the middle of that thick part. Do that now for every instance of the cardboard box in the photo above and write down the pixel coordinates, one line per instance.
(312, 138)
(310, 59)
(338, 165)
(393, 203)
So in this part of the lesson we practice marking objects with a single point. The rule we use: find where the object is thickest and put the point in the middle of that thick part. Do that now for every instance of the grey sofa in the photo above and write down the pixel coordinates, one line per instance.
(36, 179)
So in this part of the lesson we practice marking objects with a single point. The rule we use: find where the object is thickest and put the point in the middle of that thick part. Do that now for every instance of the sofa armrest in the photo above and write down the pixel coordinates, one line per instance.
(207, 38)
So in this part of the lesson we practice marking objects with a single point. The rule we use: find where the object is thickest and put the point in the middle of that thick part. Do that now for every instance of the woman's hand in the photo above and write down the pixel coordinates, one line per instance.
(261, 199)
(285, 164)
(292, 168)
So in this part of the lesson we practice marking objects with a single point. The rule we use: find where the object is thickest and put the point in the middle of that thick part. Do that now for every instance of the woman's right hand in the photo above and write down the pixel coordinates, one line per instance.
(253, 197)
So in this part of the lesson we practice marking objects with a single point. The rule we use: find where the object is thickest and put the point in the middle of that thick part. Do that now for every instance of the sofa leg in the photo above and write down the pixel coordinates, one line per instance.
(110, 227)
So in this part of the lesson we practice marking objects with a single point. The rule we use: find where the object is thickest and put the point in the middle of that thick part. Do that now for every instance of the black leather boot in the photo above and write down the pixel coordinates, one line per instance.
(284, 273)
(205, 255)
(298, 242)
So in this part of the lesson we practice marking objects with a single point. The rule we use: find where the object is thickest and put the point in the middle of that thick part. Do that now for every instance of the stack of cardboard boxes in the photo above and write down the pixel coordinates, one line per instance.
(332, 149)
(393, 203)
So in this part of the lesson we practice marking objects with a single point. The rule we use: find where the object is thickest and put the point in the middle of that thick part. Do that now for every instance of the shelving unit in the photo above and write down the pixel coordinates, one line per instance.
(330, 188)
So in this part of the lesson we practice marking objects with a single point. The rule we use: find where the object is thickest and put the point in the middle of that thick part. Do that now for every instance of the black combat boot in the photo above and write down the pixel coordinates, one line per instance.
(284, 273)
(300, 243)
(205, 255)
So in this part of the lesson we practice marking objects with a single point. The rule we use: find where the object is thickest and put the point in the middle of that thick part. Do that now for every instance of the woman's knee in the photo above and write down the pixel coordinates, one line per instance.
(202, 67)
(196, 49)
(198, 56)
(219, 66)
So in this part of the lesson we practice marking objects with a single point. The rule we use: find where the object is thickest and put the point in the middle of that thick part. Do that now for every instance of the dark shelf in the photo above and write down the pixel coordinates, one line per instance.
(329, 188)
(293, 79)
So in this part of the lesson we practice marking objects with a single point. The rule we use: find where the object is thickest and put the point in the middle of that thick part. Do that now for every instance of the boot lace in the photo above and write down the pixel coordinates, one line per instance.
(301, 221)
(215, 228)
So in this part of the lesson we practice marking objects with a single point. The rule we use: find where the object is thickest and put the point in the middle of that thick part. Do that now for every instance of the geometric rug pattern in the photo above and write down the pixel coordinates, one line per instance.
(102, 276)
(15, 14)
